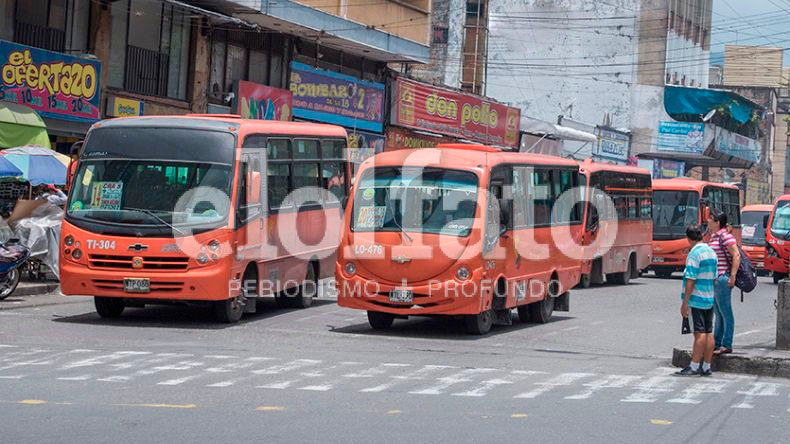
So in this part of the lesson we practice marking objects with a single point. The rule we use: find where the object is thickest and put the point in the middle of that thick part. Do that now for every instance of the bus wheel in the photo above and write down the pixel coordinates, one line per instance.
(109, 307)
(230, 310)
(540, 312)
(379, 320)
(663, 274)
(309, 289)
(480, 323)
(585, 281)
(777, 277)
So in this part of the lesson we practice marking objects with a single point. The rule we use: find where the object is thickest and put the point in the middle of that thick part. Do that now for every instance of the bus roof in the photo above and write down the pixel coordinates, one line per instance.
(765, 207)
(782, 198)
(467, 156)
(588, 166)
(228, 121)
(687, 183)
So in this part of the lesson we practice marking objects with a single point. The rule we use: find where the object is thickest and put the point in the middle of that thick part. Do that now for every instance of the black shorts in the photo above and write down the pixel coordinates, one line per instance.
(702, 319)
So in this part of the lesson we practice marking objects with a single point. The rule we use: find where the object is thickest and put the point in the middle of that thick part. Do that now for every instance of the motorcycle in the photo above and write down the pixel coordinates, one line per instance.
(12, 256)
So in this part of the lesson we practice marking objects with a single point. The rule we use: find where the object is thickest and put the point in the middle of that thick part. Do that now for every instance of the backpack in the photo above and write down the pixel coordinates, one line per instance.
(746, 277)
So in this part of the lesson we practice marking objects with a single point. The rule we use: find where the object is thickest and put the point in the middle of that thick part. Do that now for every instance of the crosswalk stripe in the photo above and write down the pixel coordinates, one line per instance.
(559, 380)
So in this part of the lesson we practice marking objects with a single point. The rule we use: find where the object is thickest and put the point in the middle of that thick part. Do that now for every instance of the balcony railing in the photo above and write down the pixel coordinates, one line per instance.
(40, 36)
(146, 71)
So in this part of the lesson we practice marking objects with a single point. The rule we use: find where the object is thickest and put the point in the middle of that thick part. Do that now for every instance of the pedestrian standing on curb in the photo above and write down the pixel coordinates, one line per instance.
(698, 298)
(726, 248)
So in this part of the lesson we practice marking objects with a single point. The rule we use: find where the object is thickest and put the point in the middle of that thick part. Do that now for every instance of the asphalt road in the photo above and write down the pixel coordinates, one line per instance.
(599, 373)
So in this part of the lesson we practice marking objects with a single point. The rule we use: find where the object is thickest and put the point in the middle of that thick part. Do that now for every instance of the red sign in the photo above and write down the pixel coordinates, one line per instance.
(399, 138)
(455, 114)
(256, 101)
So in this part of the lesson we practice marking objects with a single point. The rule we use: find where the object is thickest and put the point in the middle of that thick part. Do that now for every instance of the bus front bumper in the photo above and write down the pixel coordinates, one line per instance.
(450, 297)
(211, 283)
(668, 262)
(776, 264)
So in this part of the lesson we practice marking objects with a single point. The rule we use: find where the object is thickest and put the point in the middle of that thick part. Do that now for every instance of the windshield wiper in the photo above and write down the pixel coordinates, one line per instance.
(395, 219)
(152, 214)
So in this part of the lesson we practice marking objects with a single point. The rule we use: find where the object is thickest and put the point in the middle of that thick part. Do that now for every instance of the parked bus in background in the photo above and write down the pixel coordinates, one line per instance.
(451, 232)
(678, 203)
(754, 219)
(175, 209)
(777, 236)
(630, 190)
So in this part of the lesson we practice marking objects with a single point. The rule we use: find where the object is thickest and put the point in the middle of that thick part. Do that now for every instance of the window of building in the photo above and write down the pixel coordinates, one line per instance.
(151, 55)
(474, 9)
(41, 23)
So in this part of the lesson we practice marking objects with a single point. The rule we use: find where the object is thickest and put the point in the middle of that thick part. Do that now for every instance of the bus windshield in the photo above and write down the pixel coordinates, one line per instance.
(673, 211)
(752, 230)
(427, 200)
(138, 176)
(780, 226)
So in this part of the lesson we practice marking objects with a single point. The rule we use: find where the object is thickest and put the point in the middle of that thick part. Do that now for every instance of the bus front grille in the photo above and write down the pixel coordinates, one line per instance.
(155, 286)
(149, 262)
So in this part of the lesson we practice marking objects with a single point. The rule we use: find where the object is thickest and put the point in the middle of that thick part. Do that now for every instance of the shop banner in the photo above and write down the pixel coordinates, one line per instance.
(399, 138)
(736, 145)
(331, 97)
(255, 101)
(120, 107)
(455, 114)
(668, 169)
(612, 145)
(364, 145)
(55, 85)
(681, 137)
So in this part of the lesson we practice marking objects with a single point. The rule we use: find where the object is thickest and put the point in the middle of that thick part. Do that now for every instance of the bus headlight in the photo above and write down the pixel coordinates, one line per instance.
(463, 274)
(69, 240)
(76, 254)
(202, 259)
(350, 268)
(213, 246)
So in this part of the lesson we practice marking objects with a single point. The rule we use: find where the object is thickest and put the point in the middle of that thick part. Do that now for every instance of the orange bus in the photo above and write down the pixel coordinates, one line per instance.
(629, 188)
(678, 203)
(777, 237)
(174, 209)
(459, 230)
(754, 219)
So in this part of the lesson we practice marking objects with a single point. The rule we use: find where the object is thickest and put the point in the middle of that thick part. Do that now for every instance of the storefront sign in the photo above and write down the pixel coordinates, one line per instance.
(399, 138)
(736, 145)
(364, 145)
(120, 107)
(681, 137)
(612, 145)
(331, 97)
(55, 85)
(668, 169)
(254, 101)
(455, 114)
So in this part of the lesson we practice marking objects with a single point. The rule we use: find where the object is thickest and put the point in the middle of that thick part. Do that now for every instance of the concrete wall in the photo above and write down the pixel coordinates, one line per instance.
(781, 141)
(583, 68)
(444, 67)
(6, 19)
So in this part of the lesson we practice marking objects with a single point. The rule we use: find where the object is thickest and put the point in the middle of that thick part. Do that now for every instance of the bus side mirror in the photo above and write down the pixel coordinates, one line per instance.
(765, 221)
(253, 188)
(343, 201)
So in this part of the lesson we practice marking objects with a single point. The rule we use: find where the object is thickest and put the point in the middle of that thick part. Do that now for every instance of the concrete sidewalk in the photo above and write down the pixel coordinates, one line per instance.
(36, 294)
(750, 361)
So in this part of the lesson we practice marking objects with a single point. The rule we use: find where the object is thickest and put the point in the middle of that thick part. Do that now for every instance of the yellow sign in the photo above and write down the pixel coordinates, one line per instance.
(120, 107)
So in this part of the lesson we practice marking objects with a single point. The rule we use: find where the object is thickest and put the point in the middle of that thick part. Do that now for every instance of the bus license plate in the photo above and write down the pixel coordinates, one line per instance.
(401, 296)
(137, 285)
(658, 259)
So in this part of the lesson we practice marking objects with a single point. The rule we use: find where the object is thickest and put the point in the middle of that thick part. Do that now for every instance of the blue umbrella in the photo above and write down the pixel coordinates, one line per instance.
(8, 169)
(39, 165)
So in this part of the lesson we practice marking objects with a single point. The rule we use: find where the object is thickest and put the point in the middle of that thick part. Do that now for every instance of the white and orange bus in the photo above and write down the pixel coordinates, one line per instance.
(680, 202)
(754, 220)
(630, 190)
(460, 230)
(777, 238)
(201, 209)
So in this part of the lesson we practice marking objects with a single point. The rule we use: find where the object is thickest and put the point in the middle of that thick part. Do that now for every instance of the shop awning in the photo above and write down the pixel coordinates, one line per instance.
(680, 100)
(20, 125)
(535, 126)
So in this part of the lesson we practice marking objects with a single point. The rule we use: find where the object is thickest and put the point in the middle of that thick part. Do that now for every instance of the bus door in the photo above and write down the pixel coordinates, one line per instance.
(498, 242)
(250, 214)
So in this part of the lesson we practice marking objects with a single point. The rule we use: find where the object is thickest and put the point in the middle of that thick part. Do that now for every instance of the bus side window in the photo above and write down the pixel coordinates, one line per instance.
(278, 172)
(519, 197)
(541, 196)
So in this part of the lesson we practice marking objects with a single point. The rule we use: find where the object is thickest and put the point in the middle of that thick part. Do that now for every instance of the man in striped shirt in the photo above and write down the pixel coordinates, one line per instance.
(697, 295)
(725, 246)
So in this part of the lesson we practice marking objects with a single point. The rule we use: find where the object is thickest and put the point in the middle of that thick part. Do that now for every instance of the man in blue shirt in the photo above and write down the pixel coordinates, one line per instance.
(698, 279)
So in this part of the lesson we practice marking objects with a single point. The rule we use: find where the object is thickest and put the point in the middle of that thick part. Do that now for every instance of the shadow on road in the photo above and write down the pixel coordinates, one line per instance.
(608, 285)
(181, 316)
(449, 328)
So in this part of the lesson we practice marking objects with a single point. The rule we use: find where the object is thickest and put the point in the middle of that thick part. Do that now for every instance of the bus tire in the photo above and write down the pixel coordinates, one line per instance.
(379, 320)
(479, 324)
(662, 274)
(109, 307)
(309, 289)
(230, 310)
(623, 278)
(777, 276)
(584, 281)
(540, 312)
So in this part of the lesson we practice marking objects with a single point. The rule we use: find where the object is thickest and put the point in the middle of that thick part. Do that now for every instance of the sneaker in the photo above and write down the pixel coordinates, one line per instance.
(688, 372)
(705, 372)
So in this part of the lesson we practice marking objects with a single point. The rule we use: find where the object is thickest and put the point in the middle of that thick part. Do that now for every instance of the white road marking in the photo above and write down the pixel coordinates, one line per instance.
(749, 332)
(13, 377)
(610, 381)
(145, 365)
(449, 381)
(486, 386)
(557, 381)
(652, 388)
(571, 328)
(692, 393)
(378, 370)
(328, 385)
(272, 370)
(224, 368)
(417, 375)
(102, 359)
(757, 389)
(178, 366)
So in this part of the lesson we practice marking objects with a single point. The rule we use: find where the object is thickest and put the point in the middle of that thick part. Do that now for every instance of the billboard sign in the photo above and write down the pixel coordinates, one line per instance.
(681, 137)
(255, 101)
